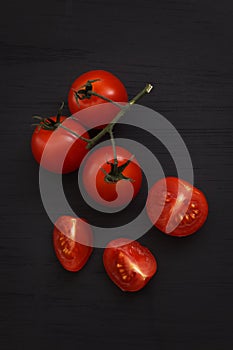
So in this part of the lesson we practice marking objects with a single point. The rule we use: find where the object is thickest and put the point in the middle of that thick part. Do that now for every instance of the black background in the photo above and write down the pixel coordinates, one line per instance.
(185, 46)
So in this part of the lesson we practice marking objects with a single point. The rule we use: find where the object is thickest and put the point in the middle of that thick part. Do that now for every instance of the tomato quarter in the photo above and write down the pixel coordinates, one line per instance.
(72, 240)
(176, 207)
(97, 177)
(129, 264)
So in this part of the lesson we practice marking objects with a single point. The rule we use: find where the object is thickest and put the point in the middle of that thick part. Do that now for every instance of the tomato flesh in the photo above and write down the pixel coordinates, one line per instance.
(176, 207)
(129, 264)
(72, 241)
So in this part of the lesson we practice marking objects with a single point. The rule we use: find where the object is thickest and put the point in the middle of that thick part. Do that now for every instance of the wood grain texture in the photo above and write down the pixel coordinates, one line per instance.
(185, 46)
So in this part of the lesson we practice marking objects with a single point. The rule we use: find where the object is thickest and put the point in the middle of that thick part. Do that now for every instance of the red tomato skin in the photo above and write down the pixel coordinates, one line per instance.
(63, 146)
(129, 264)
(109, 86)
(93, 177)
(197, 211)
(73, 253)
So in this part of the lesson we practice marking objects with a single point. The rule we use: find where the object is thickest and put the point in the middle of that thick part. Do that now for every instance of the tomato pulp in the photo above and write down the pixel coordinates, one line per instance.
(129, 264)
(176, 207)
(72, 241)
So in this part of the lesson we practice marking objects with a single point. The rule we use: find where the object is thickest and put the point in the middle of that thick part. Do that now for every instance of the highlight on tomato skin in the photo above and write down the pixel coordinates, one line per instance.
(73, 242)
(129, 264)
(176, 207)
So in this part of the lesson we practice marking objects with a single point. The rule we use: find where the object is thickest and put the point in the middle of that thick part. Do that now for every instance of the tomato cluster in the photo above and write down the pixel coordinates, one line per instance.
(59, 145)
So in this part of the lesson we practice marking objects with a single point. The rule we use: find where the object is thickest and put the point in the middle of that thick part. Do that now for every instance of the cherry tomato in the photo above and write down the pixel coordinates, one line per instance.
(129, 264)
(98, 82)
(109, 187)
(59, 145)
(72, 241)
(176, 207)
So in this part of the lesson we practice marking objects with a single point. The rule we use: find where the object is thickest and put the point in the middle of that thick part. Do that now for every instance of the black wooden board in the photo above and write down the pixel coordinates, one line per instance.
(185, 48)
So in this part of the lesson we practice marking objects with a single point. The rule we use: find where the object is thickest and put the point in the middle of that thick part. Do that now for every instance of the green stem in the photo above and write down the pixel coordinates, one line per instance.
(105, 98)
(110, 126)
(74, 133)
(87, 92)
(59, 113)
(113, 146)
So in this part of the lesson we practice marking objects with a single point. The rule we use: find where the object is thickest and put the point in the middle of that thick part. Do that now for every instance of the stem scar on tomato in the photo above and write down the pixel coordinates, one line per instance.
(81, 94)
(49, 123)
(52, 145)
(116, 172)
(102, 179)
(96, 87)
(88, 92)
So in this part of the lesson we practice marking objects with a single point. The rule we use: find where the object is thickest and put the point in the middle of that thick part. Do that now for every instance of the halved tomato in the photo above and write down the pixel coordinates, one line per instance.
(73, 242)
(176, 207)
(129, 264)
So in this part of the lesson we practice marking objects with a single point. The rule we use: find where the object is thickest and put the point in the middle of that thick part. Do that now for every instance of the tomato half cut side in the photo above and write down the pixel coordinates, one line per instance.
(176, 207)
(129, 264)
(73, 242)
